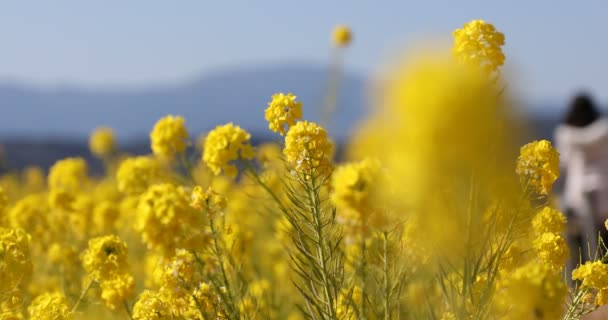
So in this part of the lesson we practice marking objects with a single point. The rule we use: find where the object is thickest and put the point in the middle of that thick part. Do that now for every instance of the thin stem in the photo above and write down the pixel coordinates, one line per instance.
(128, 309)
(385, 269)
(321, 254)
(82, 294)
(266, 188)
(218, 256)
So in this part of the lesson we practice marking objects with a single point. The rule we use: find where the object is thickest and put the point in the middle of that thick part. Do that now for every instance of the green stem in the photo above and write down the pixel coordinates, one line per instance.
(321, 254)
(128, 309)
(218, 256)
(82, 294)
(385, 269)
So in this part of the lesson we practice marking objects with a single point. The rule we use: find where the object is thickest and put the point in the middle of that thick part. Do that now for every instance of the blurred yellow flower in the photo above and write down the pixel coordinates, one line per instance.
(105, 257)
(49, 306)
(151, 306)
(68, 174)
(15, 262)
(102, 142)
(533, 291)
(549, 220)
(552, 250)
(341, 36)
(117, 290)
(136, 174)
(169, 137)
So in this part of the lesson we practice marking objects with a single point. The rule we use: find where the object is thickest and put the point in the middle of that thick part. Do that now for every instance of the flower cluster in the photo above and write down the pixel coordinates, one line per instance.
(164, 209)
(478, 43)
(169, 137)
(307, 147)
(102, 142)
(594, 275)
(538, 165)
(342, 36)
(283, 111)
(225, 144)
(136, 174)
(105, 261)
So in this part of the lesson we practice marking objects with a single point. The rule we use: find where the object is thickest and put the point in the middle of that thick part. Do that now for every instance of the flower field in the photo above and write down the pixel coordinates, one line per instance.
(435, 212)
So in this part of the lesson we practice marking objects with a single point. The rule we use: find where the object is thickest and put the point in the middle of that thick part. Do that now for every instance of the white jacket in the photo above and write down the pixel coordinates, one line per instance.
(584, 160)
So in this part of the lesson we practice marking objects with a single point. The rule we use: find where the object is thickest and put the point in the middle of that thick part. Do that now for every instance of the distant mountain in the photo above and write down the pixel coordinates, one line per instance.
(239, 95)
(40, 125)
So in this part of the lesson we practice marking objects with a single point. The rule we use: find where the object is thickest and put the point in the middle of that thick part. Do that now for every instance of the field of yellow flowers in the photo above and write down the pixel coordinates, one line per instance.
(434, 215)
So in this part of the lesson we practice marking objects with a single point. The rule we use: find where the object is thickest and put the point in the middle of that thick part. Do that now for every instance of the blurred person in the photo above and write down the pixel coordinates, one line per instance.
(582, 141)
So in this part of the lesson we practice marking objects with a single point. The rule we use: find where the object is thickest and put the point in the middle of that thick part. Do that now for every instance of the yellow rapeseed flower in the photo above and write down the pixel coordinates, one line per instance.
(166, 220)
(534, 291)
(479, 43)
(552, 249)
(15, 261)
(549, 220)
(225, 144)
(117, 290)
(592, 274)
(307, 147)
(151, 305)
(169, 137)
(105, 257)
(136, 174)
(49, 306)
(341, 36)
(68, 174)
(102, 142)
(538, 165)
(3, 199)
(283, 111)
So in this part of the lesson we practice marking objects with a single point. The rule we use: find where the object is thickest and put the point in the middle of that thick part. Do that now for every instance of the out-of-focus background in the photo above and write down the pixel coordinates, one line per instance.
(68, 66)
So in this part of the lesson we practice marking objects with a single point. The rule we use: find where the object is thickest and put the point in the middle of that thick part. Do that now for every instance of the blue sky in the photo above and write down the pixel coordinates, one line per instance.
(553, 47)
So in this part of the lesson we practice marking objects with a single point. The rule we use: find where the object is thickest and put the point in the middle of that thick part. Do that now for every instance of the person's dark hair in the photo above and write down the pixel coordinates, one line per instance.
(581, 112)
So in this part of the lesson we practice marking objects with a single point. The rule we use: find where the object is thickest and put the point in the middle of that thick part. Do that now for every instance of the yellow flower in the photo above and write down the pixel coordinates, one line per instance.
(549, 220)
(352, 184)
(224, 144)
(15, 261)
(60, 199)
(341, 36)
(533, 291)
(68, 174)
(3, 199)
(208, 200)
(551, 248)
(479, 43)
(166, 220)
(592, 274)
(31, 214)
(49, 306)
(105, 257)
(307, 147)
(105, 215)
(136, 174)
(151, 306)
(117, 290)
(538, 165)
(102, 142)
(169, 137)
(283, 111)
